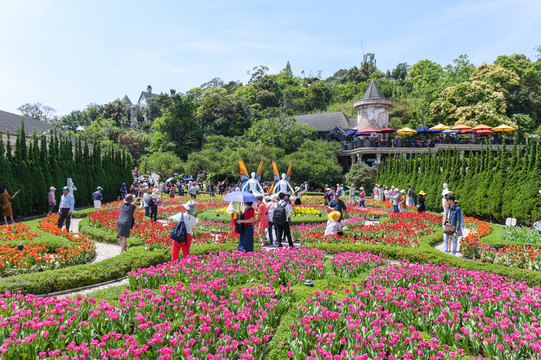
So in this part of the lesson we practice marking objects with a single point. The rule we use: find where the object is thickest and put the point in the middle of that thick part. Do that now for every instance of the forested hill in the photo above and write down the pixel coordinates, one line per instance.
(506, 91)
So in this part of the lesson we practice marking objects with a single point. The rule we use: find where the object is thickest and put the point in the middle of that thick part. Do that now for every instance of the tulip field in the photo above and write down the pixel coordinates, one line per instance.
(298, 303)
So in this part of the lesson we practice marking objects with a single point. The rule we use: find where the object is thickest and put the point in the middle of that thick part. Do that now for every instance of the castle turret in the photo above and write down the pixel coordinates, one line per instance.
(372, 109)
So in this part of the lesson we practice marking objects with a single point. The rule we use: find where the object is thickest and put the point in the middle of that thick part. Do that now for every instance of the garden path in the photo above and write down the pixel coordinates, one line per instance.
(103, 250)
(466, 232)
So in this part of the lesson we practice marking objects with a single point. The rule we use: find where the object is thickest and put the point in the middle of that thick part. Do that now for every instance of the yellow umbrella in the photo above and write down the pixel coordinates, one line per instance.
(482, 127)
(504, 128)
(440, 127)
(461, 127)
(406, 131)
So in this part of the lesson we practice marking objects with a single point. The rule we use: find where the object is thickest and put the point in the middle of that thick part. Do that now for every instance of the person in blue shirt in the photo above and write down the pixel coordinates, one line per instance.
(337, 205)
(452, 215)
(67, 204)
(97, 196)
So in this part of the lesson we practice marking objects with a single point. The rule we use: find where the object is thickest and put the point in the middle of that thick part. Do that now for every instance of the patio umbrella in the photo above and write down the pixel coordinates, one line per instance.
(465, 131)
(368, 130)
(349, 132)
(449, 131)
(406, 131)
(504, 128)
(424, 129)
(386, 130)
(482, 127)
(460, 127)
(240, 196)
(484, 132)
(440, 127)
(363, 134)
(166, 181)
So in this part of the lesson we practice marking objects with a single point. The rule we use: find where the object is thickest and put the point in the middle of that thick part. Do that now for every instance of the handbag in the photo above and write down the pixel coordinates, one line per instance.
(449, 229)
(240, 228)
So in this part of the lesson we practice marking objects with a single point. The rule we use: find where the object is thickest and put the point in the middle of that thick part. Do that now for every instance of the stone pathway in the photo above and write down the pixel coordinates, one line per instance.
(439, 246)
(103, 250)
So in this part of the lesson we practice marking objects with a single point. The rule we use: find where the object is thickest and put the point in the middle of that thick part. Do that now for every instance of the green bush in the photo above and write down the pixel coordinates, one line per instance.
(80, 214)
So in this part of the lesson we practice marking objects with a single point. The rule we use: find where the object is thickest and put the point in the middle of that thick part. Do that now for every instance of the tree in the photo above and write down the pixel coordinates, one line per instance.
(161, 163)
(37, 111)
(257, 73)
(176, 130)
(470, 103)
(360, 175)
(73, 120)
(316, 162)
(282, 132)
(134, 142)
(400, 72)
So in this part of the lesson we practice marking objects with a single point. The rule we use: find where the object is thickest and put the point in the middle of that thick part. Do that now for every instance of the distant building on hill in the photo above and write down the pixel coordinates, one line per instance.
(141, 103)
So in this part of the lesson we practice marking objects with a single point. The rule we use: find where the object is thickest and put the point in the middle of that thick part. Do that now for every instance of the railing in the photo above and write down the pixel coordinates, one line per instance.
(421, 143)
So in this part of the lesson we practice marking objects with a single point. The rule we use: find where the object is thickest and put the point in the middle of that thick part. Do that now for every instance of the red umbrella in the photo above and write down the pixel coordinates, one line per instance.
(484, 132)
(368, 130)
(466, 131)
(386, 130)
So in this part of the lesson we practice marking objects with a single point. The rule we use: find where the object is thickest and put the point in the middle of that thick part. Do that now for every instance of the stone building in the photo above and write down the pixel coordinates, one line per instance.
(372, 109)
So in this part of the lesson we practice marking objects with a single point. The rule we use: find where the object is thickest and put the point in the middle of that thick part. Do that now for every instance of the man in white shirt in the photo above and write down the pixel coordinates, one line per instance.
(67, 203)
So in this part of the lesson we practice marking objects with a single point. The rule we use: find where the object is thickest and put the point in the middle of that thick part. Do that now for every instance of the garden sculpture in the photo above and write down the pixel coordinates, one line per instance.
(281, 184)
(251, 184)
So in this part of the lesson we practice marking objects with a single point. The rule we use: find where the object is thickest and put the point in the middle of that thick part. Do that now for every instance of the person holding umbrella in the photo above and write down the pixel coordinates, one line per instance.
(247, 218)
(421, 202)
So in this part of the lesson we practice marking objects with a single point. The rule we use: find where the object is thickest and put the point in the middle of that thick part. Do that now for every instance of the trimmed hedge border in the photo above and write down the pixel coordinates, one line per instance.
(80, 214)
(90, 274)
(426, 253)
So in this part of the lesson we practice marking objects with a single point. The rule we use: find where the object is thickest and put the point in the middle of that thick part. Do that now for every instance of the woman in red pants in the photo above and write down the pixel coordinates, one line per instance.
(189, 220)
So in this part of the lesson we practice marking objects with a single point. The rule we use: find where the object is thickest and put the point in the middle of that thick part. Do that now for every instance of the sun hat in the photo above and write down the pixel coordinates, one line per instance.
(190, 206)
(362, 188)
(337, 194)
(129, 198)
(334, 216)
(274, 197)
(422, 193)
(65, 188)
(123, 183)
(52, 188)
(99, 188)
(403, 191)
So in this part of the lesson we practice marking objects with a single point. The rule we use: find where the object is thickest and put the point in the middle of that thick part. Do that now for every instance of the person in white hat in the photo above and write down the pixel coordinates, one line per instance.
(51, 198)
(189, 221)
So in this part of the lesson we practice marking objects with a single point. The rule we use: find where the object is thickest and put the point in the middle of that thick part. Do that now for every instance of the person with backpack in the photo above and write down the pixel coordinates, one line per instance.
(246, 238)
(182, 234)
(153, 204)
(281, 217)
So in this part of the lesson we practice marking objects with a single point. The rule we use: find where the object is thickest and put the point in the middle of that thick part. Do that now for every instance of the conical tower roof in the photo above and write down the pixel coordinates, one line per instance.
(373, 92)
(126, 99)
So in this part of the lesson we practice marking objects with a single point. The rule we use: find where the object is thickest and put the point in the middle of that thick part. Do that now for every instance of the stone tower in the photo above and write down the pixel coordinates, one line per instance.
(372, 109)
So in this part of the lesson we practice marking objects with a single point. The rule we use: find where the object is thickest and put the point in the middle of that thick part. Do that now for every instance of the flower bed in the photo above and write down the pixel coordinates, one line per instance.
(232, 305)
(411, 311)
(403, 229)
(37, 256)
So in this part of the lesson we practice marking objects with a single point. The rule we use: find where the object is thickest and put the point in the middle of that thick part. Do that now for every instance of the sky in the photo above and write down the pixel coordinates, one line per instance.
(68, 54)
